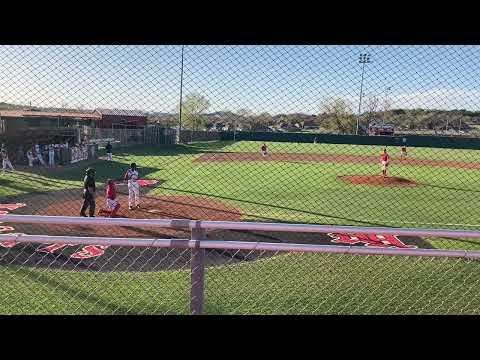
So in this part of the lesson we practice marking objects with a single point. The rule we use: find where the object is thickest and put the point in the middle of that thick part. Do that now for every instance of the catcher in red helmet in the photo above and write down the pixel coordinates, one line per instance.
(111, 198)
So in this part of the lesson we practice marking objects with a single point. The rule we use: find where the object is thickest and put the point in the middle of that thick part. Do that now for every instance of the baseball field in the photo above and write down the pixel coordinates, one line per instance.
(302, 183)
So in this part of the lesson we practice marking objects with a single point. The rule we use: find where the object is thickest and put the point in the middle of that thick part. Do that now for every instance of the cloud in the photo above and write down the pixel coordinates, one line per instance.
(438, 98)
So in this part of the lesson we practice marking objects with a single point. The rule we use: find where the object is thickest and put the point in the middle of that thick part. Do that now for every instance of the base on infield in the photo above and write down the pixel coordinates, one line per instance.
(377, 180)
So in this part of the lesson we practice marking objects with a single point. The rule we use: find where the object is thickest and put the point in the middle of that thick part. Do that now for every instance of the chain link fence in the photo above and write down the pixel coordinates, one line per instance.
(343, 284)
(371, 136)
(172, 279)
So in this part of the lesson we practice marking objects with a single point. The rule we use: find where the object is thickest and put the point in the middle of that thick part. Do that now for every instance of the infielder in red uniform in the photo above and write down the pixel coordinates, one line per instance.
(264, 150)
(384, 161)
(111, 198)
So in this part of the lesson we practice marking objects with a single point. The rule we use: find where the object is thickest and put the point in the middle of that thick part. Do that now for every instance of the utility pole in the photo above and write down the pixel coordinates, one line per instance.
(364, 59)
(181, 99)
(386, 104)
(234, 129)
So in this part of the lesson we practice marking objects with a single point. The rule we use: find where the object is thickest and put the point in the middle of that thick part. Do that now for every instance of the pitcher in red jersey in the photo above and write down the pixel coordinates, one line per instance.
(384, 161)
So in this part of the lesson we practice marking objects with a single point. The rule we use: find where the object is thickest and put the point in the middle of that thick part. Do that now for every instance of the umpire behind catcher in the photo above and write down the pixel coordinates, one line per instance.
(89, 193)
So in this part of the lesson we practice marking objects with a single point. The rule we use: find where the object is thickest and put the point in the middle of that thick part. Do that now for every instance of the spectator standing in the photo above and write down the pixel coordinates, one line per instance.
(51, 156)
(108, 148)
(30, 157)
(38, 153)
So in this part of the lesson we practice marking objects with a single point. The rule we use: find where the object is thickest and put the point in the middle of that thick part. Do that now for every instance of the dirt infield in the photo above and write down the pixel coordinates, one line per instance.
(377, 180)
(100, 258)
(333, 158)
(104, 258)
(152, 207)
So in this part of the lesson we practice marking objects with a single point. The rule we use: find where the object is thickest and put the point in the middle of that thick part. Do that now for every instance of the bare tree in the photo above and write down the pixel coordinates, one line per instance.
(246, 119)
(387, 105)
(338, 116)
(372, 106)
(263, 120)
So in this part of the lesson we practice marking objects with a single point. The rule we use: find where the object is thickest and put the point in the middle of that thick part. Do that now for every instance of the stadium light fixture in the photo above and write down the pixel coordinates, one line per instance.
(364, 58)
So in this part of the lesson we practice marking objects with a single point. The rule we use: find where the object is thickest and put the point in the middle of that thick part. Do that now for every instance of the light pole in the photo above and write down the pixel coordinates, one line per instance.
(234, 129)
(181, 99)
(363, 59)
(386, 104)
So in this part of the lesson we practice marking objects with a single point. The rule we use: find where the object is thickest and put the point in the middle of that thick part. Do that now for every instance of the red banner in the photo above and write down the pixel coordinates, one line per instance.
(50, 249)
(89, 251)
(8, 244)
(369, 240)
(12, 207)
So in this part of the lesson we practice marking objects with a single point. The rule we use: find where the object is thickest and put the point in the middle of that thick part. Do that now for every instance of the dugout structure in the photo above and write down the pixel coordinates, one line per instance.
(19, 141)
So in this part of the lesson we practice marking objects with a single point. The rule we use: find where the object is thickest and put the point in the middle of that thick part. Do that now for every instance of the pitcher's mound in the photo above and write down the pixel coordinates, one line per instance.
(377, 180)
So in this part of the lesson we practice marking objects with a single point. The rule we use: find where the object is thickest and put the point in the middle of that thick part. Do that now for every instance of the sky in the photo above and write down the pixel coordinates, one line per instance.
(274, 79)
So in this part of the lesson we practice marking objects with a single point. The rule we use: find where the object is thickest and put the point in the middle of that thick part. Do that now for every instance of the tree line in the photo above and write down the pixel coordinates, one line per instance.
(335, 115)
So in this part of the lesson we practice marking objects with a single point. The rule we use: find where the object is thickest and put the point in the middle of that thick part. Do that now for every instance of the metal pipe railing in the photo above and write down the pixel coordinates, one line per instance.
(198, 243)
(98, 221)
(232, 225)
(91, 240)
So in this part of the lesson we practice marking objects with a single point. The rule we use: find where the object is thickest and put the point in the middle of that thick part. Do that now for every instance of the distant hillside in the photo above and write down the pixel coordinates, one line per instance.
(7, 106)
(433, 120)
(404, 120)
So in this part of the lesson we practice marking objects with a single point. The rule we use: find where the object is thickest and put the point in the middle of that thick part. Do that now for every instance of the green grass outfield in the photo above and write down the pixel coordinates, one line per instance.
(283, 191)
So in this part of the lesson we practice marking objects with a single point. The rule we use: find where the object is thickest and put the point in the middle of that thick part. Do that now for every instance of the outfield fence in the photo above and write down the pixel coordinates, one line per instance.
(448, 278)
(189, 136)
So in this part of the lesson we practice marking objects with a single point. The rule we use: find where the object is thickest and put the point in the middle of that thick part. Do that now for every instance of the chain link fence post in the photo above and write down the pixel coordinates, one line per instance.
(197, 267)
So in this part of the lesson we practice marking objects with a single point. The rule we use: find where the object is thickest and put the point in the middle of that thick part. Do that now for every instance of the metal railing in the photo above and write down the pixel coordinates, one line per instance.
(198, 243)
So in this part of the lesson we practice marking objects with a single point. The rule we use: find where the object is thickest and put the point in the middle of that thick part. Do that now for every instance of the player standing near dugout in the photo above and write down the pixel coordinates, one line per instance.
(51, 156)
(111, 198)
(108, 149)
(133, 187)
(384, 161)
(264, 150)
(5, 160)
(38, 153)
(30, 157)
(88, 193)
